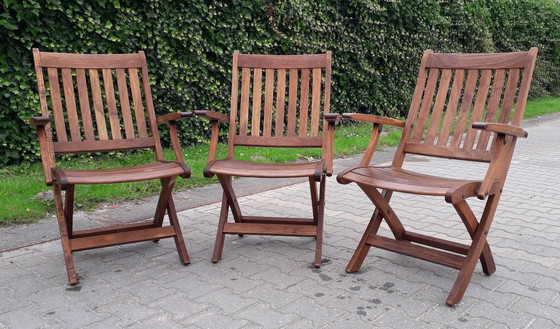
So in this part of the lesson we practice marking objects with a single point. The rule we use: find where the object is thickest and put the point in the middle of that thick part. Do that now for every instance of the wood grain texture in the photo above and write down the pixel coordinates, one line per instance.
(85, 109)
(460, 101)
(125, 103)
(293, 114)
(81, 131)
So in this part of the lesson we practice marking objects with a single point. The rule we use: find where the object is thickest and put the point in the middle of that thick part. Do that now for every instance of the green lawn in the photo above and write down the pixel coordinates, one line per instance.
(20, 184)
(541, 106)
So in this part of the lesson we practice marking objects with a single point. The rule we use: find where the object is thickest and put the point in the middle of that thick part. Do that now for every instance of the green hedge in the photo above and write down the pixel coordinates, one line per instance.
(376, 47)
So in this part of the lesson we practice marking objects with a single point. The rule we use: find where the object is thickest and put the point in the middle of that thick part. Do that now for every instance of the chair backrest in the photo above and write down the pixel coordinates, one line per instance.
(98, 103)
(279, 100)
(454, 90)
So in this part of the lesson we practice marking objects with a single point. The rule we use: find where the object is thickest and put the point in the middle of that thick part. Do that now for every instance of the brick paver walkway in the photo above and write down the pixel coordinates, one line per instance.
(268, 282)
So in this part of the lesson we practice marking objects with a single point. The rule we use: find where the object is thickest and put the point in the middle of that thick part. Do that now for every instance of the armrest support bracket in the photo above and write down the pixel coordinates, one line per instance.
(378, 123)
(171, 119)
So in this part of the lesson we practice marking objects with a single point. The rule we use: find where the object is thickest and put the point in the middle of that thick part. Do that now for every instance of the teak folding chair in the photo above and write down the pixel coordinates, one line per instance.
(276, 101)
(465, 107)
(104, 104)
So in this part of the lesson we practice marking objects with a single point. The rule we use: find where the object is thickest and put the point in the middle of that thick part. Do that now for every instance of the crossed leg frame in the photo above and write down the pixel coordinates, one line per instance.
(116, 234)
(448, 253)
(262, 225)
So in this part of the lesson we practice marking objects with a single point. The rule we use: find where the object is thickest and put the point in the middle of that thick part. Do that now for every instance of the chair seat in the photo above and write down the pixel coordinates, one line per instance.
(232, 167)
(400, 180)
(148, 171)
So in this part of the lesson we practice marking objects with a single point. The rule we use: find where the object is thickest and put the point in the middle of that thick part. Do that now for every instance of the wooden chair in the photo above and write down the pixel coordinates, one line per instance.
(465, 107)
(302, 82)
(89, 113)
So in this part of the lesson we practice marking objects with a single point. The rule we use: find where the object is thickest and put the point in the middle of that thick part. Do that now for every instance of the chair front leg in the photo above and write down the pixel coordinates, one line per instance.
(475, 251)
(69, 209)
(363, 247)
(229, 193)
(63, 226)
(469, 219)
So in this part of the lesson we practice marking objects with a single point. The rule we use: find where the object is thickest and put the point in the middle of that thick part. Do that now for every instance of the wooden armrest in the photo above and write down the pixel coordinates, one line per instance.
(501, 128)
(39, 121)
(173, 116)
(212, 115)
(374, 119)
(332, 117)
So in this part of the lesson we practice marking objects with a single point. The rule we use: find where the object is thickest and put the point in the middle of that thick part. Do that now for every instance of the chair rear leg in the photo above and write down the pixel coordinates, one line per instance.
(220, 236)
(318, 215)
(362, 250)
(69, 211)
(475, 251)
(179, 241)
(64, 224)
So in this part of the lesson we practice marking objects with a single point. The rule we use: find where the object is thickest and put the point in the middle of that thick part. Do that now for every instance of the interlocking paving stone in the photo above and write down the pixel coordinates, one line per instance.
(269, 282)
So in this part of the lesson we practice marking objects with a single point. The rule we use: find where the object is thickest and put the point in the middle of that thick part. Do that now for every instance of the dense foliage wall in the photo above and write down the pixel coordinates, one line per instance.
(376, 44)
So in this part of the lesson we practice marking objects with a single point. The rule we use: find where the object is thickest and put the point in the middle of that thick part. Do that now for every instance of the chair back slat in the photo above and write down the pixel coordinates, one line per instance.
(98, 105)
(150, 113)
(111, 104)
(452, 106)
(510, 95)
(113, 87)
(413, 110)
(137, 102)
(58, 114)
(70, 100)
(424, 109)
(268, 102)
(438, 106)
(280, 99)
(494, 101)
(465, 108)
(455, 90)
(287, 105)
(125, 103)
(85, 109)
(243, 116)
(292, 103)
(478, 109)
(304, 102)
(524, 86)
(257, 99)
(316, 102)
